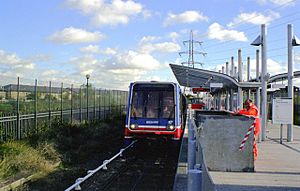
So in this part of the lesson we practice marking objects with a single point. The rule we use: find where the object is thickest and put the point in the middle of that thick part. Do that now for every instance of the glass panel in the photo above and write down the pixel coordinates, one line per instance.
(153, 101)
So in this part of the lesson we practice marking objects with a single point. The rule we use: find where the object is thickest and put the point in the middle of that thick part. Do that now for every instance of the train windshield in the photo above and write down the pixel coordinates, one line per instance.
(153, 101)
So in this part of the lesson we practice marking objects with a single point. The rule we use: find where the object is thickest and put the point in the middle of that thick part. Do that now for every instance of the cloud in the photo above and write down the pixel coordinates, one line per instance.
(254, 18)
(185, 17)
(114, 13)
(11, 63)
(174, 36)
(73, 35)
(149, 39)
(163, 47)
(117, 71)
(277, 2)
(216, 31)
(95, 49)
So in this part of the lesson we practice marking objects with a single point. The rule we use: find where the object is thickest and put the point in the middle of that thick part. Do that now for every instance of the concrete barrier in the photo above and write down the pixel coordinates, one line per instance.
(220, 135)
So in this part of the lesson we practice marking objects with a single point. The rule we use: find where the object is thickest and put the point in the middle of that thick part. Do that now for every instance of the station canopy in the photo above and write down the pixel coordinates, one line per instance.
(195, 77)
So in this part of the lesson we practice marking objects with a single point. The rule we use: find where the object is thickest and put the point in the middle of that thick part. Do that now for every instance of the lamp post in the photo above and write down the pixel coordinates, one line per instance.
(87, 96)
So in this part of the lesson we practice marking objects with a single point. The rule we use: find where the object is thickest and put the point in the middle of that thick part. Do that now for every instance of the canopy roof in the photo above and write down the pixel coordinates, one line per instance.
(195, 77)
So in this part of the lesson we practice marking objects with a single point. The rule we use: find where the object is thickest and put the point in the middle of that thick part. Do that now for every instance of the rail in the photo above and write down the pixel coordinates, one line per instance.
(90, 173)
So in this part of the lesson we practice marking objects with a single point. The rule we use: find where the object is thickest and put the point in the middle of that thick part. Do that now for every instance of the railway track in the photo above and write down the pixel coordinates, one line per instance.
(148, 165)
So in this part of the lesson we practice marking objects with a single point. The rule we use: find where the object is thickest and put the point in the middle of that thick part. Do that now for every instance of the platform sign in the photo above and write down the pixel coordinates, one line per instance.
(278, 86)
(282, 111)
(216, 85)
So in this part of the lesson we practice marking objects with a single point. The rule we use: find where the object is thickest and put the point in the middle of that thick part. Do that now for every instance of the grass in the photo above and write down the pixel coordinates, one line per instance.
(19, 157)
(65, 144)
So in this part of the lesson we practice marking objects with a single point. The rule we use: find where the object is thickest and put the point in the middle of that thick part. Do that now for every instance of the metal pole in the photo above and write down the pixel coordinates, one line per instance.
(87, 99)
(232, 74)
(257, 101)
(61, 102)
(235, 72)
(240, 66)
(99, 104)
(49, 104)
(18, 110)
(35, 105)
(290, 79)
(257, 65)
(219, 101)
(227, 68)
(80, 104)
(240, 79)
(94, 117)
(227, 93)
(248, 76)
(263, 82)
(71, 119)
(231, 99)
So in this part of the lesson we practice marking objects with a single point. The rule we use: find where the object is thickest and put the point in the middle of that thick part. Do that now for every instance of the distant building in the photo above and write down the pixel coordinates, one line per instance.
(10, 91)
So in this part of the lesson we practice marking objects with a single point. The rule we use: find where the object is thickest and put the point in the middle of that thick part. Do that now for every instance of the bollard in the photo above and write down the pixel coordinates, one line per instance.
(194, 180)
(191, 154)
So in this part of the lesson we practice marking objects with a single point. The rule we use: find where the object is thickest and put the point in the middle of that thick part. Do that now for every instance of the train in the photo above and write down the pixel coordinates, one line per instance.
(155, 109)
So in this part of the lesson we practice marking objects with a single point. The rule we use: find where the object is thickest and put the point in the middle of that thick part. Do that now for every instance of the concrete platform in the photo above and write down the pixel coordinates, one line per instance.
(180, 182)
(277, 167)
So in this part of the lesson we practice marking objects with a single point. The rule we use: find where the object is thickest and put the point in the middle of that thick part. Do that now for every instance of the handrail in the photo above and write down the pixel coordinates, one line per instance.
(90, 173)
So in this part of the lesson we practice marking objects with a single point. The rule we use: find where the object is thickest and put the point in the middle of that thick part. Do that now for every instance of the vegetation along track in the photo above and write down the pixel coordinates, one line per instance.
(149, 165)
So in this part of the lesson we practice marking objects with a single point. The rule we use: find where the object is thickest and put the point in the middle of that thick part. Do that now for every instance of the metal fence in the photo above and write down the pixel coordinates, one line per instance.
(25, 109)
(198, 174)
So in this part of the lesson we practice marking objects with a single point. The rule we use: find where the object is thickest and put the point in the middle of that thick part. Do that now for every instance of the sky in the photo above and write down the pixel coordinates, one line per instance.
(119, 41)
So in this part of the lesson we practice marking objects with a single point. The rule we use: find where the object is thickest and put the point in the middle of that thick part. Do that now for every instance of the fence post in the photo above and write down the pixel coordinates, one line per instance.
(94, 117)
(49, 100)
(71, 119)
(35, 105)
(61, 101)
(99, 108)
(109, 100)
(80, 104)
(18, 111)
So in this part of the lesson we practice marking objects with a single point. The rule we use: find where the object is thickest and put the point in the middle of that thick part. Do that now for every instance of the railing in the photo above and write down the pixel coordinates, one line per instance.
(198, 174)
(90, 173)
(13, 127)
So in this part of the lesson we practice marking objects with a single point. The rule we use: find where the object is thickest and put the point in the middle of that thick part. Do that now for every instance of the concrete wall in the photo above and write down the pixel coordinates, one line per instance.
(220, 136)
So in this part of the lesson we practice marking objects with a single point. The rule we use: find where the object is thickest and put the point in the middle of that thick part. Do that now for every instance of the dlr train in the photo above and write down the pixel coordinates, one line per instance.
(155, 109)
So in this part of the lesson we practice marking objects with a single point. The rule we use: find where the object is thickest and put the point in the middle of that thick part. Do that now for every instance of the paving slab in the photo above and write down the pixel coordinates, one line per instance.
(277, 167)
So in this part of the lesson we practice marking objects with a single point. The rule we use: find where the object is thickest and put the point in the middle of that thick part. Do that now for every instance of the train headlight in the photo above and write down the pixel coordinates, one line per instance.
(170, 127)
(133, 126)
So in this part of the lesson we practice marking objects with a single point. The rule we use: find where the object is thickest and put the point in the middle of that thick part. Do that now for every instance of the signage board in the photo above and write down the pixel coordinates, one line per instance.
(195, 90)
(282, 111)
(216, 85)
(278, 85)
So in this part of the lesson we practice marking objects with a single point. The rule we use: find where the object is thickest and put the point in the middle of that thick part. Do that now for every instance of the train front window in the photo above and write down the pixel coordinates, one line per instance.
(153, 101)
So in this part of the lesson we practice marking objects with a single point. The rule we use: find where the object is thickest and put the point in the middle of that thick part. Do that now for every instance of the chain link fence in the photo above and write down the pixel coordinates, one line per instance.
(27, 107)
